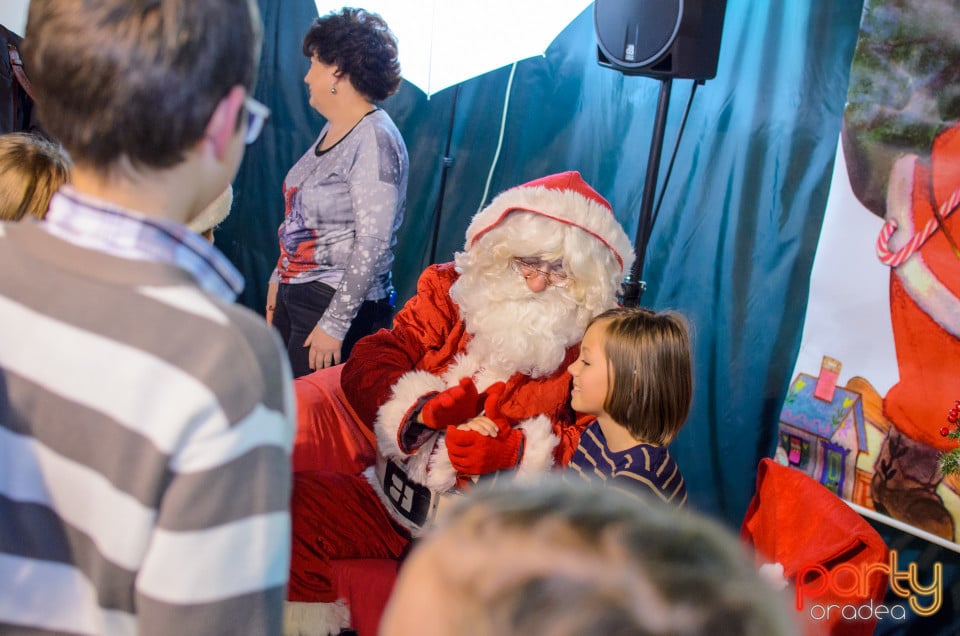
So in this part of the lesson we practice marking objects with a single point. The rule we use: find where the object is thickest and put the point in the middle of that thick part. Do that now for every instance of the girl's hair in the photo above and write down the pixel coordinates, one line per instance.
(32, 169)
(650, 371)
(361, 45)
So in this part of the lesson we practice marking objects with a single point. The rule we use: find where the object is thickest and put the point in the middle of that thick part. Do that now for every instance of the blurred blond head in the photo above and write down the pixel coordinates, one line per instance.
(568, 559)
(32, 169)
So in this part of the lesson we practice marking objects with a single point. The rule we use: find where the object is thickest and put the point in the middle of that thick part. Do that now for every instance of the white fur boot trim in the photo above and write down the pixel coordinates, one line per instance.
(315, 619)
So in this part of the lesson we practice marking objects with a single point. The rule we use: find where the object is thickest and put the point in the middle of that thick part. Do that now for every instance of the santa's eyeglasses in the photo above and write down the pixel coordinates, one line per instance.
(553, 272)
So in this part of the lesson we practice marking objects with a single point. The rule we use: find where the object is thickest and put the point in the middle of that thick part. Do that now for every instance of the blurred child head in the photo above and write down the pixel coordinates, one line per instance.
(573, 559)
(32, 169)
(635, 367)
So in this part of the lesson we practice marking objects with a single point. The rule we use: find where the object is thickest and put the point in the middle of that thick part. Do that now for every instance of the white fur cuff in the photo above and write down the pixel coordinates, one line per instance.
(538, 447)
(409, 388)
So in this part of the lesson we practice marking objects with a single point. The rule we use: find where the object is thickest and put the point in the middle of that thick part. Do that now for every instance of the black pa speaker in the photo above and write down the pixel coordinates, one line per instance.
(659, 38)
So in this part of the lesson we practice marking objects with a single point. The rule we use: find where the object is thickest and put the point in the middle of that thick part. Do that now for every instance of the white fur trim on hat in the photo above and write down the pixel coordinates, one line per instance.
(564, 197)
(214, 213)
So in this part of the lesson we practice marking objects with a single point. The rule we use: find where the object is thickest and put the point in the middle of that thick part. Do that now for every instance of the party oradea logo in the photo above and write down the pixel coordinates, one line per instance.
(854, 583)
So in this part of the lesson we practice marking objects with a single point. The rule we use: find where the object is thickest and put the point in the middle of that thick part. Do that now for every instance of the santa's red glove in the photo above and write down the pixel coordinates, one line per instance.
(474, 453)
(454, 406)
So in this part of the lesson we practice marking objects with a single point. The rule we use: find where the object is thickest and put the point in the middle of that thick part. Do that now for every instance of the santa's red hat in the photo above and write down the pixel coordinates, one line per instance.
(564, 197)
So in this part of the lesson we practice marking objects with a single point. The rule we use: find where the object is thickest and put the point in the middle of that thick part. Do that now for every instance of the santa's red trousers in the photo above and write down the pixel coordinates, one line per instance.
(335, 513)
(335, 516)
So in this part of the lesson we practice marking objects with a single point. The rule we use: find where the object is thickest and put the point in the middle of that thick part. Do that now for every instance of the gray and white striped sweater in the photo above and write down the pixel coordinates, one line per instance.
(145, 437)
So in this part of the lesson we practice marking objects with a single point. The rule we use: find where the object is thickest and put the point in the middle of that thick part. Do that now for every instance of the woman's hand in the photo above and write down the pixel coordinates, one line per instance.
(271, 301)
(324, 349)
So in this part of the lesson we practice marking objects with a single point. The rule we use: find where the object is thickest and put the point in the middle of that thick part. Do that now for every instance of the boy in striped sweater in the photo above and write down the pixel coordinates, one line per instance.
(145, 419)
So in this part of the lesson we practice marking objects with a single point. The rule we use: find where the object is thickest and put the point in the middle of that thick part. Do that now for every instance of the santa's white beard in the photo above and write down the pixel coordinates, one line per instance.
(513, 328)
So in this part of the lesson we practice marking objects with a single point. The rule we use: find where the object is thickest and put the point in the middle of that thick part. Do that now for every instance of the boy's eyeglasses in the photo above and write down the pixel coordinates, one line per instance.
(553, 273)
(257, 115)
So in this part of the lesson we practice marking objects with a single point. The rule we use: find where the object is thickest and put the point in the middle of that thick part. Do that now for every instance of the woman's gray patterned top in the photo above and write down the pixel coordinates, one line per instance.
(343, 207)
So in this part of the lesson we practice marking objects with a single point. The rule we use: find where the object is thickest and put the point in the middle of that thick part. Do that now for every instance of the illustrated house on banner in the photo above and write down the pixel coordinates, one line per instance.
(822, 432)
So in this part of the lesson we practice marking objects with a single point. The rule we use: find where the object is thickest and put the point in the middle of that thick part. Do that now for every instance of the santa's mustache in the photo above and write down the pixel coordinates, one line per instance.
(515, 328)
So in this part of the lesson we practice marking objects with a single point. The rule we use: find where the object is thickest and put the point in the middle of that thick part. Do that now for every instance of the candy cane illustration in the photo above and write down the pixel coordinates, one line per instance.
(895, 259)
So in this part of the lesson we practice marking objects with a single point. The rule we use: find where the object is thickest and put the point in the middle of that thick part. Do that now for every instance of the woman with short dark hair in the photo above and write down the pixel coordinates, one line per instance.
(344, 199)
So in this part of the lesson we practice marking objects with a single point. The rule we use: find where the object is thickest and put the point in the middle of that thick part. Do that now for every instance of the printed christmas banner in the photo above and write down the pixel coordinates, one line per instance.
(871, 412)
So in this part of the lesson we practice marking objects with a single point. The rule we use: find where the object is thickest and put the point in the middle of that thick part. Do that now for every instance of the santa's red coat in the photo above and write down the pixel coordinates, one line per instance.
(425, 352)
(383, 378)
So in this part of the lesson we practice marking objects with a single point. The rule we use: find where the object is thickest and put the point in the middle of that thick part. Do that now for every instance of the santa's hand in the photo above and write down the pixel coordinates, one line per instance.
(475, 453)
(492, 422)
(451, 407)
(491, 404)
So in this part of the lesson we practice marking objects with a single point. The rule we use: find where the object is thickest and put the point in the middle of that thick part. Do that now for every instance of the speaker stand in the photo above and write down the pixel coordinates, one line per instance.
(445, 165)
(633, 285)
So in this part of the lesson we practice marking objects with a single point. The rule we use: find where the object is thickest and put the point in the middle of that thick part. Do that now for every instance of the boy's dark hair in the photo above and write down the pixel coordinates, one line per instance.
(360, 45)
(649, 362)
(137, 79)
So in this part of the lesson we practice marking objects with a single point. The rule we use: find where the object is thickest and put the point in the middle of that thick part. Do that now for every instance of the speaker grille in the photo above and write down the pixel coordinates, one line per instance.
(634, 33)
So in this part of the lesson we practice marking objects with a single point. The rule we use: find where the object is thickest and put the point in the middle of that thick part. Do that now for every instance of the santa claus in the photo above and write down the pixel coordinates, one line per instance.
(470, 382)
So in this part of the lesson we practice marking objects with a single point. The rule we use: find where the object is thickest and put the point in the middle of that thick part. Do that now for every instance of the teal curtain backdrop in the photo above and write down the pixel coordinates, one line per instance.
(732, 246)
(734, 240)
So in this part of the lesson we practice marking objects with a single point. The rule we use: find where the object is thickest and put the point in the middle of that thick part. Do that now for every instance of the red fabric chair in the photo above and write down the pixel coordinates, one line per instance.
(329, 434)
(330, 437)
(798, 523)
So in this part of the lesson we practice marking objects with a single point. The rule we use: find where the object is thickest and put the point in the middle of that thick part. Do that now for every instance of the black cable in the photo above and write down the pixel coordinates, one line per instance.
(445, 165)
(676, 146)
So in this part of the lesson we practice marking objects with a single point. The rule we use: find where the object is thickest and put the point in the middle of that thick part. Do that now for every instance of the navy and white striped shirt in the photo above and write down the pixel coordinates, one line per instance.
(643, 468)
